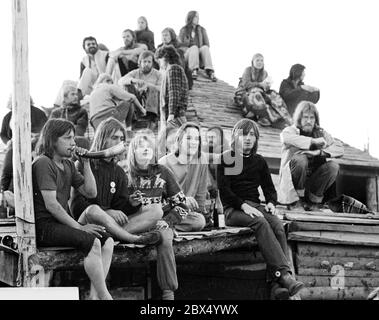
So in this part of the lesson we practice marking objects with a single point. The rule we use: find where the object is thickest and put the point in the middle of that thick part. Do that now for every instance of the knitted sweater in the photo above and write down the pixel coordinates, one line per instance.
(159, 185)
(236, 189)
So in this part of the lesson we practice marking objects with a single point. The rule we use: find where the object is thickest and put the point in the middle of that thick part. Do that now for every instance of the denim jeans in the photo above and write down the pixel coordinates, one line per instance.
(166, 265)
(196, 57)
(312, 180)
(270, 235)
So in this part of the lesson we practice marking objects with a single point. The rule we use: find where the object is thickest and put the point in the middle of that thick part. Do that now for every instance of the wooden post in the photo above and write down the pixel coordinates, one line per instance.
(22, 173)
(372, 193)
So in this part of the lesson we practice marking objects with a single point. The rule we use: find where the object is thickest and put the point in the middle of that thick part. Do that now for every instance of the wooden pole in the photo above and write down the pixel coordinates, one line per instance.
(372, 193)
(22, 173)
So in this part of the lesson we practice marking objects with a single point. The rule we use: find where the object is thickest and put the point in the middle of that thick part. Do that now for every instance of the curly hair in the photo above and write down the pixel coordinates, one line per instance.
(90, 38)
(169, 53)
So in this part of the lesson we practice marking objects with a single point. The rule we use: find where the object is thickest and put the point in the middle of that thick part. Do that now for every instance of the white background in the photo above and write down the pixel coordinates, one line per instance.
(336, 40)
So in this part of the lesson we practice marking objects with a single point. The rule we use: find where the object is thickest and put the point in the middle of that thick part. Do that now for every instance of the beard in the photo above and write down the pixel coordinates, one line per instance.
(128, 44)
(92, 50)
(308, 132)
(146, 70)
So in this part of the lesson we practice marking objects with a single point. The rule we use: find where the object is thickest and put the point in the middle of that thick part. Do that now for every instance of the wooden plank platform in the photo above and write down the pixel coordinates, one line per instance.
(330, 218)
(335, 238)
(52, 259)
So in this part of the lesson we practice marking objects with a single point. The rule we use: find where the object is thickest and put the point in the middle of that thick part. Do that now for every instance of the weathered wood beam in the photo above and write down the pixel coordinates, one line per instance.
(327, 262)
(316, 250)
(348, 238)
(328, 293)
(122, 256)
(325, 281)
(321, 226)
(372, 193)
(22, 173)
(348, 273)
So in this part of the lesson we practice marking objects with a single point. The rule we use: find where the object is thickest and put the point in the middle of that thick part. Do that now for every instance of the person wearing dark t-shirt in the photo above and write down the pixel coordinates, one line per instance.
(238, 183)
(111, 207)
(53, 176)
(38, 119)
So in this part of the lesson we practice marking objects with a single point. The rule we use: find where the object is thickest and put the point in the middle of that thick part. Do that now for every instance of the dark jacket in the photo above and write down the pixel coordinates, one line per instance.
(293, 95)
(201, 37)
(76, 114)
(38, 119)
(146, 37)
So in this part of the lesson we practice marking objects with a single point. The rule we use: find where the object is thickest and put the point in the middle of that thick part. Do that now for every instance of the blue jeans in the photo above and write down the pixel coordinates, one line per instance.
(310, 179)
(270, 235)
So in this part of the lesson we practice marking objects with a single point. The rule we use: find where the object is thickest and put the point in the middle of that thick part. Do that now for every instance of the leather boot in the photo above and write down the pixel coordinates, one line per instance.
(278, 293)
(288, 282)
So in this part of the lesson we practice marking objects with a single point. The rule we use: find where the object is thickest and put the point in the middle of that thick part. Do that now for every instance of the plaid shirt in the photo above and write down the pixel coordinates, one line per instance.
(175, 91)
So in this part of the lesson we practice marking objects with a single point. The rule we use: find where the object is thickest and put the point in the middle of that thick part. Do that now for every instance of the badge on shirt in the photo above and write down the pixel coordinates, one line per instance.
(113, 189)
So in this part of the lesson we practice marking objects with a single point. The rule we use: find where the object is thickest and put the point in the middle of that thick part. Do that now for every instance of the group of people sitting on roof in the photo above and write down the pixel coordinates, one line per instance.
(259, 102)
(157, 185)
(164, 186)
(138, 81)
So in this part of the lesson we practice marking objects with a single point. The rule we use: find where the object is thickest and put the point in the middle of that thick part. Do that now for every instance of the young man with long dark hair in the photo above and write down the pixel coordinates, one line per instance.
(53, 176)
(243, 208)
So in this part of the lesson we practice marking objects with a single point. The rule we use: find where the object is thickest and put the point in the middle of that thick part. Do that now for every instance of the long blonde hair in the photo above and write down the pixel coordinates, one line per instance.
(132, 169)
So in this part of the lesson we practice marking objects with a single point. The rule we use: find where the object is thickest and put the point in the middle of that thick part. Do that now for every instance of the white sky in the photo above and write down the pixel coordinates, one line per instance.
(336, 40)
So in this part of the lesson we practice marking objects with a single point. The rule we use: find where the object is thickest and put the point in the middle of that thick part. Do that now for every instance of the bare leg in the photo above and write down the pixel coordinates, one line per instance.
(106, 257)
(94, 214)
(93, 266)
(145, 219)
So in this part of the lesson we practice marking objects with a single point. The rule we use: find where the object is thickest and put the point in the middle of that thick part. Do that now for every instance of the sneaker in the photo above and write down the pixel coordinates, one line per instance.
(149, 238)
(212, 76)
(194, 74)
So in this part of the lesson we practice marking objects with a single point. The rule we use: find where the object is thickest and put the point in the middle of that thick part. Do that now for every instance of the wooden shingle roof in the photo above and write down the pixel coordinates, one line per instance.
(211, 103)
